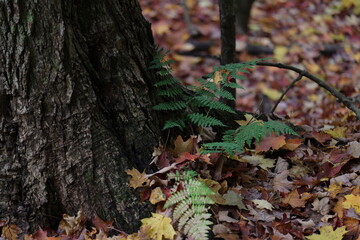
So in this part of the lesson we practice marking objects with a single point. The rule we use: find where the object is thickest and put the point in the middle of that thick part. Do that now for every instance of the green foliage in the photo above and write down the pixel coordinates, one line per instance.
(205, 98)
(190, 205)
(235, 140)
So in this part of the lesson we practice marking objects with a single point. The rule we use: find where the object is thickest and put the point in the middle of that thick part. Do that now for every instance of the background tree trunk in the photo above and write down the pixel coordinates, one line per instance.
(75, 109)
(242, 10)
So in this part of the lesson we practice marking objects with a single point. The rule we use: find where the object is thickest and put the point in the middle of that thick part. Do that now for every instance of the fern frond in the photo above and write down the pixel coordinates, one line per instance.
(176, 198)
(179, 123)
(168, 81)
(203, 101)
(171, 92)
(170, 106)
(278, 128)
(204, 121)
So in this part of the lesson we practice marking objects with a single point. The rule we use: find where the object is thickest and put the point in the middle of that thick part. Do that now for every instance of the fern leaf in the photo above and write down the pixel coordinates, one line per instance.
(278, 128)
(170, 106)
(168, 81)
(176, 198)
(203, 101)
(179, 123)
(171, 92)
(227, 147)
(180, 209)
(204, 121)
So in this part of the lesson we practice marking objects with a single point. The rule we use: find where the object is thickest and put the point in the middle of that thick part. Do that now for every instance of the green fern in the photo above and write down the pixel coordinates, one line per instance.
(190, 205)
(204, 98)
(204, 121)
(235, 140)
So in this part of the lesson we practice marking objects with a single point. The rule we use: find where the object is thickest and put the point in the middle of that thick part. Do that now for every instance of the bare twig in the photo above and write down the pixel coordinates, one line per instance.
(284, 93)
(347, 101)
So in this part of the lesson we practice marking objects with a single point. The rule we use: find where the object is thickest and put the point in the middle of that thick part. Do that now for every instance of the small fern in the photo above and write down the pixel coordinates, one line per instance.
(190, 205)
(235, 140)
(204, 98)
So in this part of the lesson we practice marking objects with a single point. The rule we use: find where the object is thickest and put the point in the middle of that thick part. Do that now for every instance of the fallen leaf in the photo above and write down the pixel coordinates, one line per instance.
(354, 149)
(234, 199)
(294, 199)
(321, 137)
(334, 189)
(338, 132)
(352, 201)
(322, 206)
(101, 225)
(263, 204)
(158, 227)
(73, 225)
(327, 233)
(157, 196)
(274, 142)
(137, 179)
(187, 146)
(258, 160)
(281, 183)
(11, 232)
(224, 217)
(292, 144)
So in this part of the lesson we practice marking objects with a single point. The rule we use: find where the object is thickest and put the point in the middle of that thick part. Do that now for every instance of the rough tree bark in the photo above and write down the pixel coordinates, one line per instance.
(75, 109)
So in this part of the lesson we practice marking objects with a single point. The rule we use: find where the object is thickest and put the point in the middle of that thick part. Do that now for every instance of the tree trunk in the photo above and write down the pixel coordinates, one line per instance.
(242, 10)
(75, 109)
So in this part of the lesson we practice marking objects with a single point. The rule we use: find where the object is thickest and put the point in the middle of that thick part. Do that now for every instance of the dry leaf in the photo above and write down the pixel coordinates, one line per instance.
(354, 149)
(281, 183)
(352, 201)
(263, 204)
(270, 142)
(327, 233)
(187, 146)
(11, 232)
(322, 206)
(158, 227)
(73, 225)
(157, 196)
(137, 179)
(294, 199)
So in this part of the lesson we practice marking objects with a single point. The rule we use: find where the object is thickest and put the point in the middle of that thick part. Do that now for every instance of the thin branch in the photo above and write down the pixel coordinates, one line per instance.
(347, 101)
(284, 93)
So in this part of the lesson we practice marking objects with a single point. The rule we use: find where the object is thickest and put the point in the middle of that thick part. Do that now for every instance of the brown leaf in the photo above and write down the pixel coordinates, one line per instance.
(73, 225)
(274, 142)
(292, 144)
(137, 179)
(281, 183)
(101, 225)
(321, 137)
(293, 199)
(187, 146)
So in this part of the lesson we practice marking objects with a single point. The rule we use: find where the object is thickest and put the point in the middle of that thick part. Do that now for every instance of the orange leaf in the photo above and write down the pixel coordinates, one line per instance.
(11, 232)
(292, 144)
(270, 142)
(293, 198)
(101, 225)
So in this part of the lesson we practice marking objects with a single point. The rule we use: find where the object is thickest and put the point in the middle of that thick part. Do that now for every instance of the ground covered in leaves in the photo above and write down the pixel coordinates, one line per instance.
(284, 187)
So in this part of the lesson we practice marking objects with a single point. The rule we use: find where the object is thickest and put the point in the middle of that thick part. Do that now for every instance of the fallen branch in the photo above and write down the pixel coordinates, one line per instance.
(347, 101)
(284, 93)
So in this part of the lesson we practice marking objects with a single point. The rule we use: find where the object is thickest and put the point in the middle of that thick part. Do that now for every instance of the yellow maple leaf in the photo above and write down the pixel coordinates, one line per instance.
(158, 227)
(327, 233)
(334, 189)
(137, 179)
(336, 132)
(352, 201)
(157, 196)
